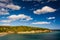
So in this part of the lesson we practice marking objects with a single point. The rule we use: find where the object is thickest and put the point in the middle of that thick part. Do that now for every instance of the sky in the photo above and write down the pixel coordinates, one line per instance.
(36, 13)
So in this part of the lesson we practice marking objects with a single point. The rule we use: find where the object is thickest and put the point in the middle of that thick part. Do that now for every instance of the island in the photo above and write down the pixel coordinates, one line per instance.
(22, 30)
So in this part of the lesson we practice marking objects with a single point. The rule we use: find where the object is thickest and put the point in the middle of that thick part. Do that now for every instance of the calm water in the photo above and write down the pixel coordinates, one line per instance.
(41, 36)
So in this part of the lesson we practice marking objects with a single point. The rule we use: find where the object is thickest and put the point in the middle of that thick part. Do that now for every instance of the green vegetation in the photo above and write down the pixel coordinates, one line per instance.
(20, 29)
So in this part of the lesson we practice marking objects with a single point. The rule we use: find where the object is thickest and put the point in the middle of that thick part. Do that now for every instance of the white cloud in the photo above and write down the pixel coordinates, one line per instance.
(4, 0)
(4, 7)
(20, 16)
(41, 23)
(44, 10)
(3, 11)
(51, 18)
(6, 21)
(13, 7)
(9, 4)
(2, 4)
(5, 24)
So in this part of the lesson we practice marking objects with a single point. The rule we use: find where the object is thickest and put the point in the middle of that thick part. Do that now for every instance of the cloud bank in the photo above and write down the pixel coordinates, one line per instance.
(41, 23)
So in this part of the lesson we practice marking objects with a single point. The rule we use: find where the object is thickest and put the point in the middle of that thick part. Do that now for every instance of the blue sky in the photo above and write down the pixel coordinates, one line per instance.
(41, 13)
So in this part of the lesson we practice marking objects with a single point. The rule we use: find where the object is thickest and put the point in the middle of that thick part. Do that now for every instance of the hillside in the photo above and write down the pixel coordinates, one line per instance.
(16, 29)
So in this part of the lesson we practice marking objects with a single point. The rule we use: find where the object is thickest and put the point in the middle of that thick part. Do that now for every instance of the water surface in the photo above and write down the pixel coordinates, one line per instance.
(40, 36)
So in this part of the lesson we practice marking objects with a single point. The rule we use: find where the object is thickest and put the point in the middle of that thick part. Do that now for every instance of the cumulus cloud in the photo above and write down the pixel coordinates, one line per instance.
(13, 7)
(51, 18)
(9, 4)
(44, 10)
(4, 11)
(20, 16)
(5, 5)
(41, 23)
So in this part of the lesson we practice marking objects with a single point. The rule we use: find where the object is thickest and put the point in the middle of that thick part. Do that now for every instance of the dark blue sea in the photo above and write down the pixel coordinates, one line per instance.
(39, 36)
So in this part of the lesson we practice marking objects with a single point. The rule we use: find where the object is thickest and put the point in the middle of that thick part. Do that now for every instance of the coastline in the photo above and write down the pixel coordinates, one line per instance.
(5, 30)
(26, 32)
(3, 34)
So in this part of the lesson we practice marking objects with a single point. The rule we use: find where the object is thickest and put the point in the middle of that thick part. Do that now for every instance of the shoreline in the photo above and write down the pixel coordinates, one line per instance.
(26, 32)
(3, 34)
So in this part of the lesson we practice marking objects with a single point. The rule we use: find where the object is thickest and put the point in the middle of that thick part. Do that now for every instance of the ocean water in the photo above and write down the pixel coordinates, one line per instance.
(40, 36)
